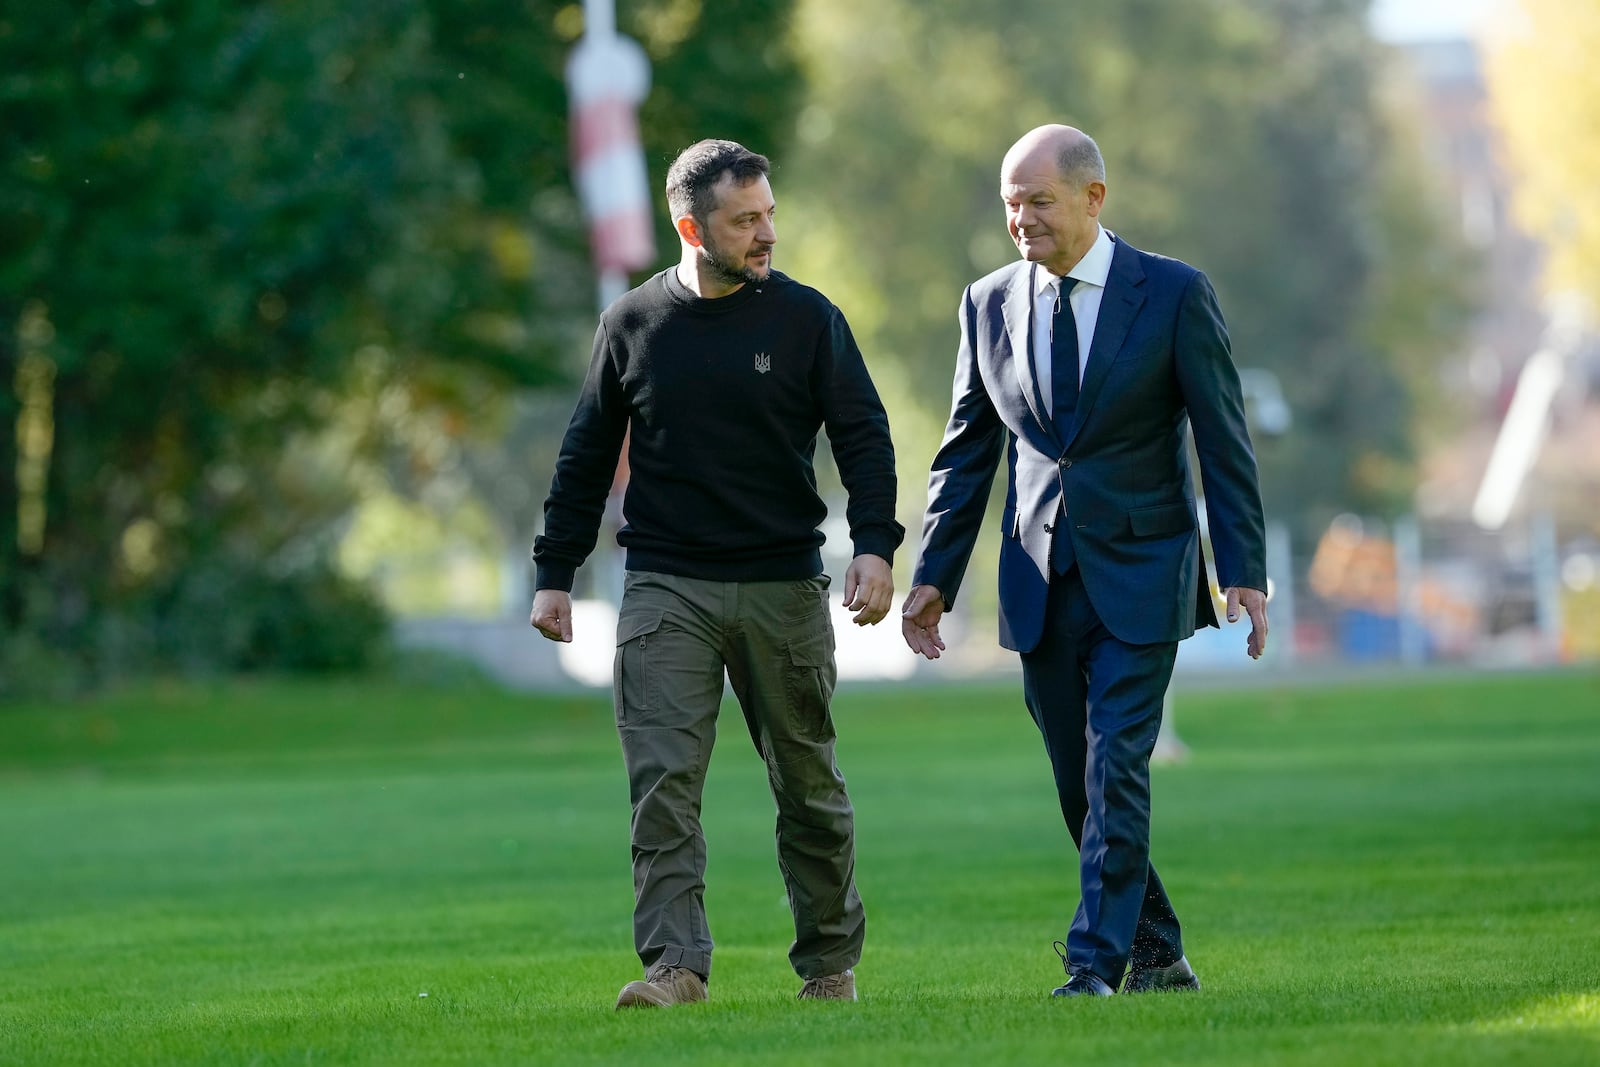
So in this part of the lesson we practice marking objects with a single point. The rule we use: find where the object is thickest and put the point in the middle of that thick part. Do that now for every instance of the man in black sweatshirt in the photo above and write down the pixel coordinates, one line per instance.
(720, 371)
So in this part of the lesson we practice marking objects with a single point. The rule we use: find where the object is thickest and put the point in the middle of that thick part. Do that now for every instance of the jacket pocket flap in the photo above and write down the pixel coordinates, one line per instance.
(1161, 519)
(631, 626)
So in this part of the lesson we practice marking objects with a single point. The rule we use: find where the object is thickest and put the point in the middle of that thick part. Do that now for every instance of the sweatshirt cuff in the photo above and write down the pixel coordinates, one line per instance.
(553, 576)
(876, 542)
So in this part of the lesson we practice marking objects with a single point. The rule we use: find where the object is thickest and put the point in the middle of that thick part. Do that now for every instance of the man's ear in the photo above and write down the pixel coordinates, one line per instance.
(689, 230)
(1096, 192)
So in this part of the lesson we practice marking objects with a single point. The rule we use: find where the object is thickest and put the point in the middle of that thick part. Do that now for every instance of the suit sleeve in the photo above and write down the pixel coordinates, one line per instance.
(1211, 392)
(858, 431)
(962, 472)
(585, 469)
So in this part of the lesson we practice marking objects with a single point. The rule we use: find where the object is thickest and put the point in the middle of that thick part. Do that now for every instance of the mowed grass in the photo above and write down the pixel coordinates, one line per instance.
(370, 873)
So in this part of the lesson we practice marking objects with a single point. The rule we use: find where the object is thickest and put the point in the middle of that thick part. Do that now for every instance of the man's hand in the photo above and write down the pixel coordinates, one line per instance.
(552, 614)
(868, 588)
(919, 621)
(1255, 602)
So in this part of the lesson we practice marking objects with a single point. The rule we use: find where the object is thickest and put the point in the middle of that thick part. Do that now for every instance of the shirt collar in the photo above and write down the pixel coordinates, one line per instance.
(1094, 267)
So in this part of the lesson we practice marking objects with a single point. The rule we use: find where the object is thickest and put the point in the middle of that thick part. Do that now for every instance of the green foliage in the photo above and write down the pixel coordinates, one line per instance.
(1394, 874)
(239, 617)
(1544, 91)
(220, 615)
(1243, 136)
(32, 670)
(269, 253)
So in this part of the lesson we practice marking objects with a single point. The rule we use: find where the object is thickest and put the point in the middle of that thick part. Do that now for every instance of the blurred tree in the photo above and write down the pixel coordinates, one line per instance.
(11, 557)
(1244, 136)
(1545, 95)
(247, 245)
(720, 68)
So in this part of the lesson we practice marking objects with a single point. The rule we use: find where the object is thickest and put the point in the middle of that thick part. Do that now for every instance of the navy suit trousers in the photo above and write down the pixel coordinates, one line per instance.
(1097, 701)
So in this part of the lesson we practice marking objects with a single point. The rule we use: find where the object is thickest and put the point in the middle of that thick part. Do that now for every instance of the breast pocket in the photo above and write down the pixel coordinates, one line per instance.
(1142, 345)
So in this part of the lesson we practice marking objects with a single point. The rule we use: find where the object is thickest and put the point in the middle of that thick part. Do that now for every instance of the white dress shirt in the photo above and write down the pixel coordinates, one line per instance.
(1088, 281)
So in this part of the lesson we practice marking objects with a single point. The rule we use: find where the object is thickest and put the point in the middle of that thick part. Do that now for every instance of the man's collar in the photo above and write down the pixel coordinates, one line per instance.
(1094, 267)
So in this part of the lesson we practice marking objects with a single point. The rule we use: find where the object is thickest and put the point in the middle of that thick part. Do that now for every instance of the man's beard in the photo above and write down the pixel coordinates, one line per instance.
(726, 268)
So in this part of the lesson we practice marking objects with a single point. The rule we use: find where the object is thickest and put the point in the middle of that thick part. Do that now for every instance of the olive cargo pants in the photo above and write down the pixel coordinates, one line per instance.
(675, 638)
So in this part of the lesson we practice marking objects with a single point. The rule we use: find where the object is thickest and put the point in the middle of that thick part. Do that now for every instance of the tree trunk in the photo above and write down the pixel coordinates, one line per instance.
(10, 496)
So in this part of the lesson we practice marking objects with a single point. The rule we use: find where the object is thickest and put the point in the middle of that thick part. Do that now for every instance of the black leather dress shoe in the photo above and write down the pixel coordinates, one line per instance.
(1162, 979)
(1083, 984)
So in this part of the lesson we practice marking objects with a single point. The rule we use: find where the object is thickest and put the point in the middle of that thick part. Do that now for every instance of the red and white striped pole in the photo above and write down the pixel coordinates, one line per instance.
(608, 77)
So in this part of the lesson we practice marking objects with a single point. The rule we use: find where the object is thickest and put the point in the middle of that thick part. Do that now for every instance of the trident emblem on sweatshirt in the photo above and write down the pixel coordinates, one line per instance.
(763, 363)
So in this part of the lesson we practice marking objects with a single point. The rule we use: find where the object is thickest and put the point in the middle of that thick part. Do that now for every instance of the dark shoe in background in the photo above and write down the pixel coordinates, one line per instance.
(1162, 979)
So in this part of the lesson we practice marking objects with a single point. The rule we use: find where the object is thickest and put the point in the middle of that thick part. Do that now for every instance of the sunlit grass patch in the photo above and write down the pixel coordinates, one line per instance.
(278, 872)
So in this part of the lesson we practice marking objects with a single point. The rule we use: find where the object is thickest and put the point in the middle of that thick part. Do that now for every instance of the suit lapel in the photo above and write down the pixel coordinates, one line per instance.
(1119, 305)
(1019, 322)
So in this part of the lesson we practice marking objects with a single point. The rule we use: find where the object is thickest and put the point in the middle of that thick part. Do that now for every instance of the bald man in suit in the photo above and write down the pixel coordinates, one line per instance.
(1084, 365)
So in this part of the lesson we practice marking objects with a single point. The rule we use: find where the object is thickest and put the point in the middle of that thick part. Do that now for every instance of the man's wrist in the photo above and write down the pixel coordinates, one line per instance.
(557, 576)
(875, 542)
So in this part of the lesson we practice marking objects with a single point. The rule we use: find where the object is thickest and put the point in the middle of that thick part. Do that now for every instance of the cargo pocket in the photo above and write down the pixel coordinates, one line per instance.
(633, 680)
(808, 683)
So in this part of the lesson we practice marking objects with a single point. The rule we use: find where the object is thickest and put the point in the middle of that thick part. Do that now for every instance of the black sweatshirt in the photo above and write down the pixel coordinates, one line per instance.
(724, 399)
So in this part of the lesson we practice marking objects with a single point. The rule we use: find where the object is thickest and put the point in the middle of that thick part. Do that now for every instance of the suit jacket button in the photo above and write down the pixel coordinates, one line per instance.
(1065, 463)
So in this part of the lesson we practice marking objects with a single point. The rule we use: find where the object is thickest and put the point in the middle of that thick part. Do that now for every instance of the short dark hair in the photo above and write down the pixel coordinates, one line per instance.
(701, 166)
(1080, 162)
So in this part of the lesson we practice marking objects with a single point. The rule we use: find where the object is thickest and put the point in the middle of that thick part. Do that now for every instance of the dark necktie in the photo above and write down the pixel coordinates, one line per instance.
(1064, 401)
(1064, 361)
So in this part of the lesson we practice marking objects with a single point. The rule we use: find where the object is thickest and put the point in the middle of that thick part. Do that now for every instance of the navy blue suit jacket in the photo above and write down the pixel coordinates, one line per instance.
(1159, 364)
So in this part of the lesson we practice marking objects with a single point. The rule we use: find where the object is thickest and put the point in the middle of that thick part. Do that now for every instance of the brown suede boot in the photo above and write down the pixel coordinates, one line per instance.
(664, 987)
(841, 986)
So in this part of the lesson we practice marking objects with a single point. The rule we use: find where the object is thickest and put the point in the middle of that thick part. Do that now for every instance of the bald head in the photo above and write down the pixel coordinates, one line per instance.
(1073, 154)
(1053, 183)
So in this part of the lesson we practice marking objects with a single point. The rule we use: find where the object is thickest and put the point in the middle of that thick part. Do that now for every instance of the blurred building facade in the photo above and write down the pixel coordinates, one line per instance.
(1466, 152)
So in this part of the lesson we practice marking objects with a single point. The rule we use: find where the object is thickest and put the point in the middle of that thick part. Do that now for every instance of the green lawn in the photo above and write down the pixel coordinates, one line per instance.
(362, 873)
